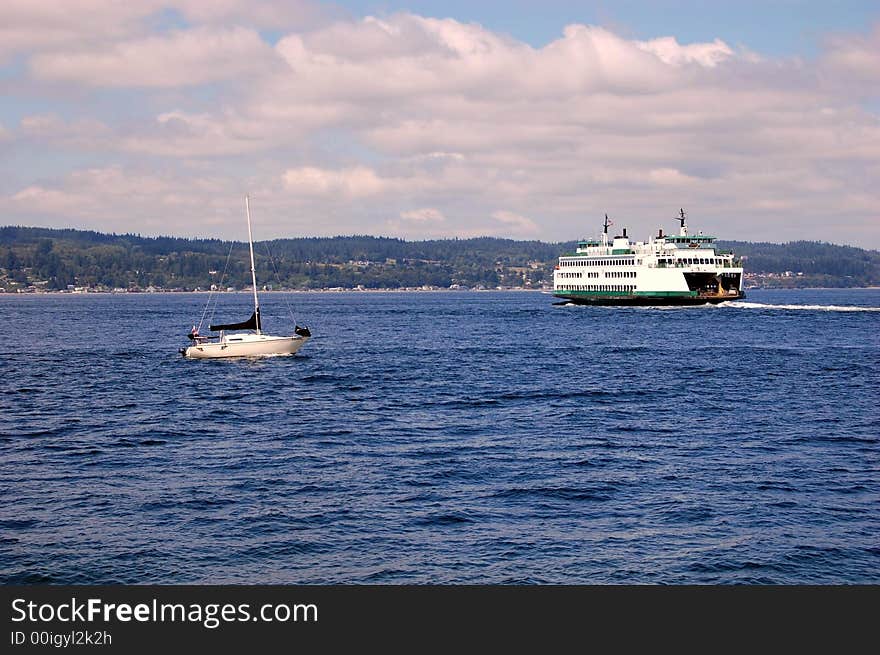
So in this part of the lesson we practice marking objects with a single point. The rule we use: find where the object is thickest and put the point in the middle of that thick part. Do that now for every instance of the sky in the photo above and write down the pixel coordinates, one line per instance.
(426, 119)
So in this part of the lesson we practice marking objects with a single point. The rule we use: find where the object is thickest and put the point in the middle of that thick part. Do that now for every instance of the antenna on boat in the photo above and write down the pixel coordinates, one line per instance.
(682, 218)
(247, 207)
(608, 222)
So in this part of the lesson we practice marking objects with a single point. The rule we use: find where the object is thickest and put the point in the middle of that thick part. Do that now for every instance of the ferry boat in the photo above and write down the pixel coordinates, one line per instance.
(684, 269)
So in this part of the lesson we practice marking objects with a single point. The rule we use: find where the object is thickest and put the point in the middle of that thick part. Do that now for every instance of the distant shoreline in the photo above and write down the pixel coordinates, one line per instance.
(249, 292)
(398, 290)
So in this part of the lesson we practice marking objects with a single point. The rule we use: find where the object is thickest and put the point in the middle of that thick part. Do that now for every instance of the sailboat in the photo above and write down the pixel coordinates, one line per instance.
(254, 343)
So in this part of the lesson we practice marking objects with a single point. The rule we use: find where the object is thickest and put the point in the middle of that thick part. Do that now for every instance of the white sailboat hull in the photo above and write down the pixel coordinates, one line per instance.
(240, 344)
(245, 345)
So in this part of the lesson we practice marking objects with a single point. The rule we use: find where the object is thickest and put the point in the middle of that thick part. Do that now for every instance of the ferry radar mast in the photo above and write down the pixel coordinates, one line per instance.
(682, 218)
(608, 222)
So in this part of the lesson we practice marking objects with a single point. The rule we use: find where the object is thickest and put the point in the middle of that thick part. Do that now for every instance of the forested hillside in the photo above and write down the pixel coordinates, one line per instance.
(808, 263)
(47, 259)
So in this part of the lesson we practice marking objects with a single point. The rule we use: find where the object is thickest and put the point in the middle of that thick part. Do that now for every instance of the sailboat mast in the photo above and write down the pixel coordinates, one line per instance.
(247, 206)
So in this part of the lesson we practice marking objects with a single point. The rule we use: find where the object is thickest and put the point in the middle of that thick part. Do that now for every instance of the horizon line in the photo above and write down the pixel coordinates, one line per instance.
(393, 238)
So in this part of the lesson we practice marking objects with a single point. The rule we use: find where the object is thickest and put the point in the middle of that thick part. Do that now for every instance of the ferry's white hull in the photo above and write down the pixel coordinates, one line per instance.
(250, 345)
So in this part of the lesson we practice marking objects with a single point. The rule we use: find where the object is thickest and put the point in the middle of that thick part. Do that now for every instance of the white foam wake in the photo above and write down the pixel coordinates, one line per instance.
(813, 308)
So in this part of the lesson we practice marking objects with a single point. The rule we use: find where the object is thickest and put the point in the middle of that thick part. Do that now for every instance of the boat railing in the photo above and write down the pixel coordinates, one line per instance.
(724, 264)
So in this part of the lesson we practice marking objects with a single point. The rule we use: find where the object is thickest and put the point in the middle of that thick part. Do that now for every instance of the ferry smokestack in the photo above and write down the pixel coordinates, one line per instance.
(660, 234)
(624, 232)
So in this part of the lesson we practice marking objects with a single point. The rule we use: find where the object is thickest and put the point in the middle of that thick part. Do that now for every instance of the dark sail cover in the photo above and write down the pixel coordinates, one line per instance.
(253, 323)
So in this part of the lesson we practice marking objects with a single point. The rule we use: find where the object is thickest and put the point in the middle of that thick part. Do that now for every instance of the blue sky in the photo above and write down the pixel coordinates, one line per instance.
(442, 119)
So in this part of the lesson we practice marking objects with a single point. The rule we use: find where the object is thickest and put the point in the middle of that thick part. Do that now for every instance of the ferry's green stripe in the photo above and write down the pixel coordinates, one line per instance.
(665, 294)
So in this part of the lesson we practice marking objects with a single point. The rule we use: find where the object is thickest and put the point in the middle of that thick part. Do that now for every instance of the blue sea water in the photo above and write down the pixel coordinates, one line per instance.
(443, 438)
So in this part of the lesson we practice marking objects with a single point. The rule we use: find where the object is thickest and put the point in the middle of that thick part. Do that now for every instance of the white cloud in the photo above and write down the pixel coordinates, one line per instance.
(520, 225)
(263, 14)
(355, 121)
(671, 52)
(353, 182)
(424, 215)
(180, 58)
(856, 57)
(670, 176)
(85, 134)
(28, 26)
(34, 25)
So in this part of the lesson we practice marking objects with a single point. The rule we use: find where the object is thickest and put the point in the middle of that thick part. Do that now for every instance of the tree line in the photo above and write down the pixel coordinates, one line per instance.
(55, 259)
